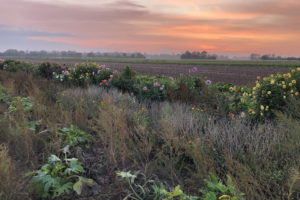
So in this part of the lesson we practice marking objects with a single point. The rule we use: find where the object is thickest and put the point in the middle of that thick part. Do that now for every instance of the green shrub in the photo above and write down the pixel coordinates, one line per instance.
(149, 190)
(20, 103)
(223, 87)
(33, 125)
(4, 96)
(152, 87)
(58, 177)
(142, 189)
(73, 136)
(188, 89)
(272, 93)
(48, 70)
(235, 101)
(125, 80)
(87, 73)
(14, 66)
(216, 190)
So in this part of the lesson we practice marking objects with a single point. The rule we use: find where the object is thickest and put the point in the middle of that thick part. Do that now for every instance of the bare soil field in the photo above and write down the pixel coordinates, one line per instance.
(241, 75)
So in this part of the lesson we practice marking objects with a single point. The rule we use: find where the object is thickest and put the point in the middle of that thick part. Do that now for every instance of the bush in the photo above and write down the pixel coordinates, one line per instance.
(73, 136)
(153, 87)
(223, 87)
(58, 177)
(87, 73)
(125, 80)
(149, 190)
(188, 89)
(217, 190)
(20, 104)
(143, 189)
(48, 70)
(14, 66)
(272, 93)
(234, 100)
(4, 96)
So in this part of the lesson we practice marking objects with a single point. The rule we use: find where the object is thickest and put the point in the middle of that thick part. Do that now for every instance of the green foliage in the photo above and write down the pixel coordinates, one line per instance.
(33, 125)
(87, 73)
(125, 80)
(272, 93)
(178, 194)
(234, 100)
(128, 73)
(189, 89)
(73, 136)
(20, 103)
(4, 96)
(149, 190)
(215, 189)
(223, 87)
(145, 190)
(152, 87)
(14, 66)
(58, 177)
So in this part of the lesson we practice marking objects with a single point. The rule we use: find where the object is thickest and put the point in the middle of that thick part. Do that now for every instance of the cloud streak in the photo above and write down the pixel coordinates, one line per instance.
(160, 26)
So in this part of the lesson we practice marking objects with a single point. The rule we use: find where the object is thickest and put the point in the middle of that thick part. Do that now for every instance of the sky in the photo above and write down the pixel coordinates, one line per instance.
(152, 26)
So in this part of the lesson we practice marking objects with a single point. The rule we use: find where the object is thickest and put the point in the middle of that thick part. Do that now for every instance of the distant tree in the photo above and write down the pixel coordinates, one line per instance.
(266, 57)
(203, 54)
(186, 55)
(198, 55)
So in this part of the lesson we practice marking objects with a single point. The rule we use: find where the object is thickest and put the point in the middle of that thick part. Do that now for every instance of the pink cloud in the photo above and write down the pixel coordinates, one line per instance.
(130, 26)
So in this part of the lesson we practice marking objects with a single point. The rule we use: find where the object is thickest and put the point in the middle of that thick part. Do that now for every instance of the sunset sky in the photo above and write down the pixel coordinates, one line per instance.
(152, 26)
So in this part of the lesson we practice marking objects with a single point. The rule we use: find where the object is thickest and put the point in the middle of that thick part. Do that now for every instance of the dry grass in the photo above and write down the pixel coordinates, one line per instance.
(165, 140)
(7, 175)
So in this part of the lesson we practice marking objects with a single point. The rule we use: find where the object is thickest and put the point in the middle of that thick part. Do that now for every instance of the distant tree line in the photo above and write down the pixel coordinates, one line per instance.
(255, 56)
(198, 55)
(68, 54)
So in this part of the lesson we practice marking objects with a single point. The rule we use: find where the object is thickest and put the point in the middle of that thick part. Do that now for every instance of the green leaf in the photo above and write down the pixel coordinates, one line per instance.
(177, 191)
(62, 189)
(75, 166)
(222, 188)
(77, 187)
(210, 196)
(127, 175)
(53, 158)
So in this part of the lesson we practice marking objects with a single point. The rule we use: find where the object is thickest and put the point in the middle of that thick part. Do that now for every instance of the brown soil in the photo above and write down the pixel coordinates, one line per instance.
(242, 75)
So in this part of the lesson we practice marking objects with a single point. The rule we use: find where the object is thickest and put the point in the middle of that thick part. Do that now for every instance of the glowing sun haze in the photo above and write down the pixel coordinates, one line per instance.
(155, 26)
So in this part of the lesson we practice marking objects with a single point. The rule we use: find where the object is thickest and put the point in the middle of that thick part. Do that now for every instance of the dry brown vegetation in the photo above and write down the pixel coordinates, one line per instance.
(166, 141)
